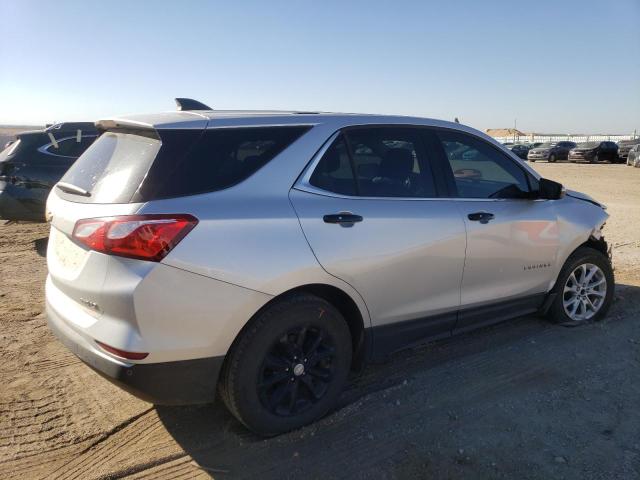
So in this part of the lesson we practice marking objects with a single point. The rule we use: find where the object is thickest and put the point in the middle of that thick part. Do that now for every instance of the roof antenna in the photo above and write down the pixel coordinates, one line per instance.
(456, 120)
(191, 104)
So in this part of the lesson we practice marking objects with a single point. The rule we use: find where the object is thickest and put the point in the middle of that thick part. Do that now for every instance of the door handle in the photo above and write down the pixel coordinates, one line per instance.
(482, 217)
(343, 217)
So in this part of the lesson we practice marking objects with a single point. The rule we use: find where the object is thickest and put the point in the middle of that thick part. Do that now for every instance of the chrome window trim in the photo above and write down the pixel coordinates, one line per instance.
(326, 193)
(303, 184)
(43, 148)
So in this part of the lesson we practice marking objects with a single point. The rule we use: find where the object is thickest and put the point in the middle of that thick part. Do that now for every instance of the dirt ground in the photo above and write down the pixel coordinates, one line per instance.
(524, 399)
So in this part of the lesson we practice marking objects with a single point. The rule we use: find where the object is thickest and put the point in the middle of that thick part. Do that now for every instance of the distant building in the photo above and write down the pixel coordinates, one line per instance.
(514, 135)
(505, 132)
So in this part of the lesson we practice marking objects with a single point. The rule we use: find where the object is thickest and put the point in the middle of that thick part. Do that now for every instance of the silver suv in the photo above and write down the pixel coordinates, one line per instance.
(264, 255)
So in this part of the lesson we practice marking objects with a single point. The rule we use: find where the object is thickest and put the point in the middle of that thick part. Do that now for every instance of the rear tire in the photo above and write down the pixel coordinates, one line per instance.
(584, 289)
(289, 365)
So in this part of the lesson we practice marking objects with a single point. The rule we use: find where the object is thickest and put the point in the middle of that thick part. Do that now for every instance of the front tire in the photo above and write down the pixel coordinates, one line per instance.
(584, 289)
(288, 366)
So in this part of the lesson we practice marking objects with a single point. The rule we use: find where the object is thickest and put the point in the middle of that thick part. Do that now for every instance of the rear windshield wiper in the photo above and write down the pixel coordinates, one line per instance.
(74, 190)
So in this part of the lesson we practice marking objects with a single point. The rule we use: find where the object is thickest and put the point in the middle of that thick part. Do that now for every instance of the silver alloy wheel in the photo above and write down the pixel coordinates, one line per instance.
(584, 292)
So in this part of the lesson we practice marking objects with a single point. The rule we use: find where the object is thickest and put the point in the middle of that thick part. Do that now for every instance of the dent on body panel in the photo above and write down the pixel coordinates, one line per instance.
(577, 222)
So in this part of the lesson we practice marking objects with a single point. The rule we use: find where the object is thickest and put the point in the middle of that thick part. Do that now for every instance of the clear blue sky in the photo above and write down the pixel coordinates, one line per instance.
(556, 66)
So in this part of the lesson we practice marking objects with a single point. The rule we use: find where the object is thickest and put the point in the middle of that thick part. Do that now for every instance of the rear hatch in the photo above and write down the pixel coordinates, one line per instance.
(125, 169)
(111, 179)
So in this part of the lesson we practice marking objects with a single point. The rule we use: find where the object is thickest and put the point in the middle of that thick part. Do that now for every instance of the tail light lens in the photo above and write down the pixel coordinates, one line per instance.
(122, 353)
(145, 237)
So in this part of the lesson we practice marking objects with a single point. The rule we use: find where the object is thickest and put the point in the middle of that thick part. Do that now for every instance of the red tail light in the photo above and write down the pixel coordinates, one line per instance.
(122, 353)
(145, 237)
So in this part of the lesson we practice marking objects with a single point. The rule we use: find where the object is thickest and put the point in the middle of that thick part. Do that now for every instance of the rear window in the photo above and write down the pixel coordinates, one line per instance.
(122, 167)
(113, 167)
(70, 146)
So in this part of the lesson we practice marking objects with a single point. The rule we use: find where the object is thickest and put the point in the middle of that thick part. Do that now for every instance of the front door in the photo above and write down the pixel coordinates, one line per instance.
(512, 238)
(369, 209)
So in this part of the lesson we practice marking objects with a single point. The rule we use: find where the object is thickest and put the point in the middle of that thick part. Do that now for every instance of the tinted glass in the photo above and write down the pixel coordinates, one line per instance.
(333, 173)
(70, 147)
(480, 170)
(389, 162)
(122, 167)
(219, 159)
(588, 144)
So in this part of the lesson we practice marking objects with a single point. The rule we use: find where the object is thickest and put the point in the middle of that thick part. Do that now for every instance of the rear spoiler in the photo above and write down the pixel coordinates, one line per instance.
(104, 125)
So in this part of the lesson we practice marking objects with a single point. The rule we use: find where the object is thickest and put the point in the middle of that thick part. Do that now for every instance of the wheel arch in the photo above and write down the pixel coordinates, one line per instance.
(343, 302)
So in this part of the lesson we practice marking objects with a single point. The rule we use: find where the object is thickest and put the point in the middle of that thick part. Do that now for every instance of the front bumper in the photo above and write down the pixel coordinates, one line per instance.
(576, 157)
(167, 383)
(537, 156)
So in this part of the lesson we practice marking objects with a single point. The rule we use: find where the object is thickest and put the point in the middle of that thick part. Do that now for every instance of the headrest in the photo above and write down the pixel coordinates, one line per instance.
(397, 164)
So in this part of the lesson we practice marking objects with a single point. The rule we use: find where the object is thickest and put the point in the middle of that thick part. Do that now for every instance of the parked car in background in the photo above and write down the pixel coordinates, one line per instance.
(594, 152)
(32, 164)
(520, 150)
(551, 151)
(624, 146)
(633, 156)
(259, 254)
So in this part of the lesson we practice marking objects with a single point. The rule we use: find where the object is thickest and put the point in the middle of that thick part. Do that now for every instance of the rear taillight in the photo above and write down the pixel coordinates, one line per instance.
(122, 353)
(145, 237)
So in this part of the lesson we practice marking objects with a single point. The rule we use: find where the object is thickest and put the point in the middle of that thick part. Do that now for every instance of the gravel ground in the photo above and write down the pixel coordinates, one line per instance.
(524, 399)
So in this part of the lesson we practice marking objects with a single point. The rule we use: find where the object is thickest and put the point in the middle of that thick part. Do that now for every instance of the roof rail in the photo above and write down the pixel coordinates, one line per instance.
(191, 104)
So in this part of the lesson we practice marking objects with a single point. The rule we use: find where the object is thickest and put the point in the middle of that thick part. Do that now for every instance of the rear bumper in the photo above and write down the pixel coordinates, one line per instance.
(167, 383)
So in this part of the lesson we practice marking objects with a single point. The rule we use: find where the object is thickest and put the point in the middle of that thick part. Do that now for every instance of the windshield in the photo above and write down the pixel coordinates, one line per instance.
(588, 144)
(547, 145)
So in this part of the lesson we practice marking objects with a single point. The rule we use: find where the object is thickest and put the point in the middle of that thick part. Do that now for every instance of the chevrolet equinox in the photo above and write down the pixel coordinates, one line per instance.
(264, 255)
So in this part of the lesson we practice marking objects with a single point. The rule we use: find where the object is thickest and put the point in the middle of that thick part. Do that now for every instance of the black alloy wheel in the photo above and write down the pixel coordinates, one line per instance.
(297, 371)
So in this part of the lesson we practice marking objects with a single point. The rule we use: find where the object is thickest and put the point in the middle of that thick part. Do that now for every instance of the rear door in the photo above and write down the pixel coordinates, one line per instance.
(370, 209)
(512, 239)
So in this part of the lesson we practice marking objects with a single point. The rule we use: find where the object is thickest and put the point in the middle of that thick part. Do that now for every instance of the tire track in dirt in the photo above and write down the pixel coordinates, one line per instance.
(144, 435)
(181, 468)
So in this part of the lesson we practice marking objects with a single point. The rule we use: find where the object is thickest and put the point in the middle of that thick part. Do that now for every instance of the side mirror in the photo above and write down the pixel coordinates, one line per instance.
(550, 190)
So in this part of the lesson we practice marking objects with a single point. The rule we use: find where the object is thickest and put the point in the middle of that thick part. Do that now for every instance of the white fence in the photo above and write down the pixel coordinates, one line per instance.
(559, 138)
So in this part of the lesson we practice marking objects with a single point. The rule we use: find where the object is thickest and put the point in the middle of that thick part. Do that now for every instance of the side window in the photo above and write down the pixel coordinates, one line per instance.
(70, 147)
(333, 173)
(389, 162)
(480, 170)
